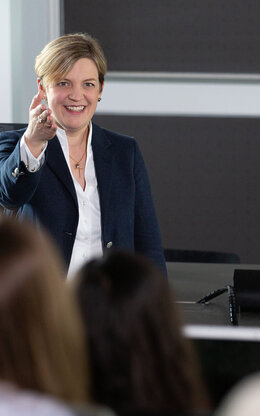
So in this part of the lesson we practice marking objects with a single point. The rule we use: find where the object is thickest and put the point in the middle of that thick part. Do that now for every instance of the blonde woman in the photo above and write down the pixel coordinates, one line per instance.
(87, 185)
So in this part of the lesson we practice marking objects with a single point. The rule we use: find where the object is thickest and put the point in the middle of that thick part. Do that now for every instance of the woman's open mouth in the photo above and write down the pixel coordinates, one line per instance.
(75, 108)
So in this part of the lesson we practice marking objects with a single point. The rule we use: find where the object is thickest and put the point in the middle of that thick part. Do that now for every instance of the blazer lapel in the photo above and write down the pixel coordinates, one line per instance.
(103, 160)
(57, 163)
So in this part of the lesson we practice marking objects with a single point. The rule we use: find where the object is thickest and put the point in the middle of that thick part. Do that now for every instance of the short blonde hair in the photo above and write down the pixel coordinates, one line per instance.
(58, 57)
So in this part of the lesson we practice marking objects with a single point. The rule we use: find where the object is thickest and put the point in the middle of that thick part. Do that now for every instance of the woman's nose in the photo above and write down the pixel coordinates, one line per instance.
(76, 93)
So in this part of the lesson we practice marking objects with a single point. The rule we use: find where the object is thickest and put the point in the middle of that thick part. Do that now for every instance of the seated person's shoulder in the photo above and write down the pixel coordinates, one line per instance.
(243, 399)
(93, 411)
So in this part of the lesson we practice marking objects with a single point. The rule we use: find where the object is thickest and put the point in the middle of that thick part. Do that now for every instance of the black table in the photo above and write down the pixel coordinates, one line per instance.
(192, 281)
(226, 353)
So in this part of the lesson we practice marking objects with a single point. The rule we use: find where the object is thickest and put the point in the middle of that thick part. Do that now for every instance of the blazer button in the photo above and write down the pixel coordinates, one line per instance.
(109, 245)
(15, 172)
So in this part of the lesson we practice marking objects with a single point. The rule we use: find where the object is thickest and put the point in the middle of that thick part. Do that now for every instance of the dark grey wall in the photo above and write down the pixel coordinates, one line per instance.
(171, 35)
(205, 177)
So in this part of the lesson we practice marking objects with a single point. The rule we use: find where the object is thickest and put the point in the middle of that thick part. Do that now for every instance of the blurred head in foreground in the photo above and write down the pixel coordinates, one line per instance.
(139, 358)
(41, 337)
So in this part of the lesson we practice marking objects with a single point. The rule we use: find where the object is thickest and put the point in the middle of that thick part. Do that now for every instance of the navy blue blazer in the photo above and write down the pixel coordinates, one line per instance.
(48, 196)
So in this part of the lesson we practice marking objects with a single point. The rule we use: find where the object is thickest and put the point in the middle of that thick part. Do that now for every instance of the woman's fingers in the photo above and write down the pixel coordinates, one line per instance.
(42, 114)
(49, 121)
(37, 99)
(46, 122)
(41, 125)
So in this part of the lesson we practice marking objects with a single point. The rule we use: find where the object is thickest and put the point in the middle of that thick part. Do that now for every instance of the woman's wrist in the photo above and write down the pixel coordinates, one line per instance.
(35, 147)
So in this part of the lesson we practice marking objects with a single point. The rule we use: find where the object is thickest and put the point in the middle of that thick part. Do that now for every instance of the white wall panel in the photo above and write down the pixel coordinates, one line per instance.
(173, 96)
(5, 68)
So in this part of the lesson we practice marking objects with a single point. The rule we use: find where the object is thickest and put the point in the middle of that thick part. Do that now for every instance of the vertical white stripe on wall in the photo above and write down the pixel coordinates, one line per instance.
(53, 19)
(5, 68)
(33, 24)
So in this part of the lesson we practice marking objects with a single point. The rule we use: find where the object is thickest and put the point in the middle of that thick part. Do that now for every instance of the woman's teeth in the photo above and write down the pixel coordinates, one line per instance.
(74, 108)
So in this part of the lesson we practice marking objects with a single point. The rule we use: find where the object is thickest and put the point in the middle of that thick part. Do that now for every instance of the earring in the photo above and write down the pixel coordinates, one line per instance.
(99, 99)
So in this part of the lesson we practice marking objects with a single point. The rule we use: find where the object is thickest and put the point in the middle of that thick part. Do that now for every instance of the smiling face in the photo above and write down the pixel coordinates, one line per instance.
(73, 99)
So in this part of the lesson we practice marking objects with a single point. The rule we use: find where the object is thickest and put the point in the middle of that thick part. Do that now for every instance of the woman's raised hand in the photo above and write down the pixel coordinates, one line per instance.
(41, 125)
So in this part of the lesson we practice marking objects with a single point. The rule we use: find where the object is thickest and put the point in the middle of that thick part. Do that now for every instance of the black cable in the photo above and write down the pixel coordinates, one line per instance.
(231, 301)
(213, 294)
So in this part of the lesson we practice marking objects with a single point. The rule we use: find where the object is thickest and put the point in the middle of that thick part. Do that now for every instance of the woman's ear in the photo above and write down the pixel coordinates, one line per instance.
(101, 87)
(100, 91)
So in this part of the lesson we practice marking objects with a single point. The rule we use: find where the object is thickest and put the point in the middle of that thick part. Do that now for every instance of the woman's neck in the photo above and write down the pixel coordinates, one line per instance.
(77, 139)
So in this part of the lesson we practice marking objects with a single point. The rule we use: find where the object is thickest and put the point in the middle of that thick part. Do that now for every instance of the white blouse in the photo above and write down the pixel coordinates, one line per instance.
(88, 243)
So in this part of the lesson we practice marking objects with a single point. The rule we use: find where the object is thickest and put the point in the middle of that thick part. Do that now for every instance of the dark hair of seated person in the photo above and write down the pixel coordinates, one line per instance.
(42, 346)
(139, 358)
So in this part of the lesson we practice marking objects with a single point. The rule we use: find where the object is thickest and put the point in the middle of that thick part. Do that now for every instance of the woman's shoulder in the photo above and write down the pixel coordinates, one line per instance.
(243, 399)
(11, 135)
(14, 402)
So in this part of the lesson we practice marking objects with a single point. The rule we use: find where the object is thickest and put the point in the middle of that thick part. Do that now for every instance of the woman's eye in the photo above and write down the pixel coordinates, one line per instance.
(62, 84)
(89, 84)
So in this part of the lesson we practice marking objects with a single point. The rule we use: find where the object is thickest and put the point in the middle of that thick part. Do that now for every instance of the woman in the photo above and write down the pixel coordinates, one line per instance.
(139, 359)
(88, 186)
(41, 343)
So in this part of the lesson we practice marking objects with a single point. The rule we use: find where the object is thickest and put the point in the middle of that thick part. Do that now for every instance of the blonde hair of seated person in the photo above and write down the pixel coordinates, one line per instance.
(41, 337)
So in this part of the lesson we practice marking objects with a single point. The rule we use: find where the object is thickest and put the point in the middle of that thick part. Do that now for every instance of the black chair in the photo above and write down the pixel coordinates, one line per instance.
(11, 126)
(197, 256)
(161, 413)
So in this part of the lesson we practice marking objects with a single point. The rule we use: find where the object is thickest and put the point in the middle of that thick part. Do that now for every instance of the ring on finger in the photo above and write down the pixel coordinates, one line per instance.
(40, 119)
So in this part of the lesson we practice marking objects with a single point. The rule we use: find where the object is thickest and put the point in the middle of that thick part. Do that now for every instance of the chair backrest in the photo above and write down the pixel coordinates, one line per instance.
(12, 126)
(160, 413)
(197, 256)
(7, 127)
